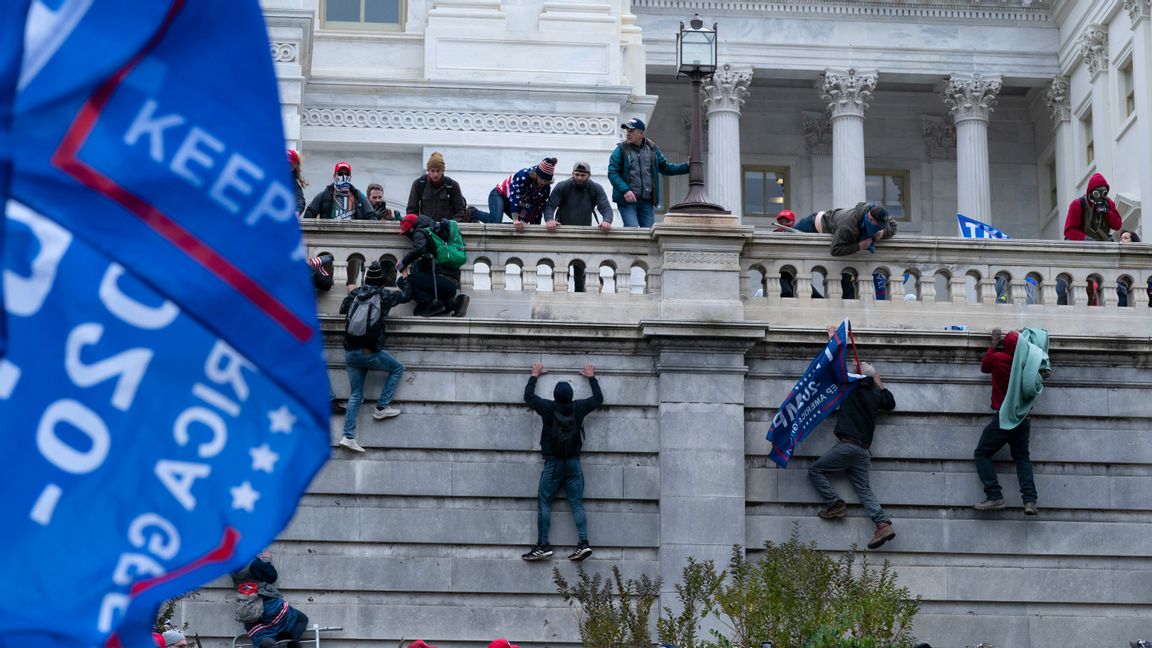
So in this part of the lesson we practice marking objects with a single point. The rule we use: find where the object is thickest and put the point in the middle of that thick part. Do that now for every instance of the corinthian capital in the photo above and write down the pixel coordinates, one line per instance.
(1057, 99)
(971, 96)
(727, 88)
(1094, 48)
(1138, 9)
(847, 91)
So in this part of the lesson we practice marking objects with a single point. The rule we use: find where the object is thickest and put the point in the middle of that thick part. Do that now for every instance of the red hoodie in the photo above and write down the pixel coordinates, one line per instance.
(1074, 224)
(999, 363)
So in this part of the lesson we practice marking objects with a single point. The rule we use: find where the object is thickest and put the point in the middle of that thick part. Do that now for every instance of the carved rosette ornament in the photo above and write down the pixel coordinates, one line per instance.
(1138, 9)
(1059, 105)
(847, 92)
(727, 88)
(817, 132)
(283, 52)
(971, 97)
(939, 136)
(1094, 49)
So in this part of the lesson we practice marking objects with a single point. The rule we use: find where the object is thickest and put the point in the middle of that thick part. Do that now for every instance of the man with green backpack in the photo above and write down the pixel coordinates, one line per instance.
(433, 265)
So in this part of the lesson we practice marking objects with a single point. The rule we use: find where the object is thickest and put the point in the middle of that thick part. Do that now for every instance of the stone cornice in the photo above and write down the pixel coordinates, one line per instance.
(936, 10)
(971, 96)
(458, 121)
(1094, 48)
(1138, 10)
(1056, 97)
(847, 91)
(727, 89)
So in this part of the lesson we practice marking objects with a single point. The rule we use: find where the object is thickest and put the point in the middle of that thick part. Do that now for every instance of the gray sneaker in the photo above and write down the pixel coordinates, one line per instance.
(1030, 508)
(990, 505)
(351, 444)
(382, 413)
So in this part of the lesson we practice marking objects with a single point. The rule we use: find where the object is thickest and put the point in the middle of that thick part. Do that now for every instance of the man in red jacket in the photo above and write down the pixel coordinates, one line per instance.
(1092, 215)
(998, 362)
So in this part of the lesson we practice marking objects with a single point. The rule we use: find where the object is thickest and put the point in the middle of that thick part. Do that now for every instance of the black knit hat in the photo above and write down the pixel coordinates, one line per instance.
(375, 275)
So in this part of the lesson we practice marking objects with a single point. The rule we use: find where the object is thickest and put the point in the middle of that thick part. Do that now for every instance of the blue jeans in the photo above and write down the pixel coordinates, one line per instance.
(496, 207)
(641, 213)
(359, 363)
(855, 461)
(559, 472)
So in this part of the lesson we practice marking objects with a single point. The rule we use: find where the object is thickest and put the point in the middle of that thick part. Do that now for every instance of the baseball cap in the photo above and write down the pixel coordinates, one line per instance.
(342, 165)
(634, 123)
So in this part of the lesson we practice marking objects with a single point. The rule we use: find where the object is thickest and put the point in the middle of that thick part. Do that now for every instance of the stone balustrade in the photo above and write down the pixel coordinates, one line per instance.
(585, 275)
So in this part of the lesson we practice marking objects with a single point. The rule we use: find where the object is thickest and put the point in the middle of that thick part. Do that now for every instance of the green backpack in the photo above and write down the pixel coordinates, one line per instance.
(449, 253)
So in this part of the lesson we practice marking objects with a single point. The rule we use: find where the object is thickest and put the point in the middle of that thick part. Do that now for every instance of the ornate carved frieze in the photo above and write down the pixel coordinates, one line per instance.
(1094, 48)
(935, 10)
(727, 88)
(817, 132)
(847, 91)
(458, 121)
(701, 258)
(1138, 9)
(939, 136)
(971, 96)
(1059, 105)
(283, 52)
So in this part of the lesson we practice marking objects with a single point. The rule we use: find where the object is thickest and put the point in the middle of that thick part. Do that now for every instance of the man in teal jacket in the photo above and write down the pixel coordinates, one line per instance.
(634, 170)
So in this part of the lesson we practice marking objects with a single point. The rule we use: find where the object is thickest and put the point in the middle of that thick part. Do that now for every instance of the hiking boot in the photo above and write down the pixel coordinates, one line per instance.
(460, 305)
(581, 552)
(884, 533)
(434, 308)
(1030, 508)
(990, 505)
(351, 444)
(337, 407)
(837, 510)
(540, 552)
(387, 411)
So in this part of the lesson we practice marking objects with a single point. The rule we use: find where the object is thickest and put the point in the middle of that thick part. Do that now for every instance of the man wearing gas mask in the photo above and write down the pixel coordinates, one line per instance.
(340, 200)
(1093, 215)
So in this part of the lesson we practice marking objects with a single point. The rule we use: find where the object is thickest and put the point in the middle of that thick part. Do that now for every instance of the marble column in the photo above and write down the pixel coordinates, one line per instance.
(1059, 107)
(724, 94)
(971, 99)
(1140, 14)
(1094, 54)
(847, 93)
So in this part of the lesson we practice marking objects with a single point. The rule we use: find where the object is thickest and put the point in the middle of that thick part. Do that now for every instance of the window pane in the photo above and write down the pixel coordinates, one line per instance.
(753, 192)
(874, 189)
(774, 188)
(382, 11)
(342, 10)
(894, 196)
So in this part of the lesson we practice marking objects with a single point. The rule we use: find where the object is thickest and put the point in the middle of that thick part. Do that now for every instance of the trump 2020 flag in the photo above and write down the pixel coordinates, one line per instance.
(972, 228)
(824, 385)
(163, 395)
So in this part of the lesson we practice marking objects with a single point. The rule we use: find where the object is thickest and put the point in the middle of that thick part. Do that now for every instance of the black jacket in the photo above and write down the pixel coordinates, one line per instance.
(321, 205)
(424, 251)
(572, 204)
(437, 201)
(546, 409)
(388, 299)
(858, 413)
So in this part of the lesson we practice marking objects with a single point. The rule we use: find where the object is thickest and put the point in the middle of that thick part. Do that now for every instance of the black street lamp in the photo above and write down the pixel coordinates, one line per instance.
(696, 59)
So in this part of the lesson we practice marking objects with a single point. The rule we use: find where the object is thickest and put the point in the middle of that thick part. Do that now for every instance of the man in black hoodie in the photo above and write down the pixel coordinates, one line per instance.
(435, 286)
(561, 438)
(854, 428)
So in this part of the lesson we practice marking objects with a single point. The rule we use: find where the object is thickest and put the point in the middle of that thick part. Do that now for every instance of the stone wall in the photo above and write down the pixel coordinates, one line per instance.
(420, 537)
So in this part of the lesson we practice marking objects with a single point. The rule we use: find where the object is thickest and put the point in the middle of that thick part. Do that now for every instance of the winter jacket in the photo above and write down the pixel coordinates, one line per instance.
(998, 363)
(1029, 366)
(323, 205)
(437, 201)
(618, 171)
(524, 195)
(858, 413)
(572, 204)
(547, 409)
(423, 250)
(844, 226)
(301, 205)
(264, 573)
(1080, 225)
(388, 299)
(278, 615)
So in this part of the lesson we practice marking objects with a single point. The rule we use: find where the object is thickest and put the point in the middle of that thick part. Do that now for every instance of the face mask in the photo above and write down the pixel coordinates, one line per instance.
(343, 182)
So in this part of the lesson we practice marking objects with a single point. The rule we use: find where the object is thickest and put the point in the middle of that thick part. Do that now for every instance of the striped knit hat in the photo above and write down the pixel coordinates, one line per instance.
(546, 168)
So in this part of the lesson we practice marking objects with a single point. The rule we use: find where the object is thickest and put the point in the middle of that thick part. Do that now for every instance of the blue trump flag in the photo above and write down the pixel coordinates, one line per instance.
(972, 228)
(824, 385)
(163, 395)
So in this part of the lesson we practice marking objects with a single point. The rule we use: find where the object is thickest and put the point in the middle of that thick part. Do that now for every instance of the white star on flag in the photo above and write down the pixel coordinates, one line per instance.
(263, 458)
(281, 420)
(244, 497)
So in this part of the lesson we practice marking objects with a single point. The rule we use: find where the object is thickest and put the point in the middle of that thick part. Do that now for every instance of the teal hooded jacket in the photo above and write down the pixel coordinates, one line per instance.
(618, 171)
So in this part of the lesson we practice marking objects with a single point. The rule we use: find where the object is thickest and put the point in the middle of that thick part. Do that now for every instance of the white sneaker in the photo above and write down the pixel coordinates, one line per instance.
(385, 412)
(351, 444)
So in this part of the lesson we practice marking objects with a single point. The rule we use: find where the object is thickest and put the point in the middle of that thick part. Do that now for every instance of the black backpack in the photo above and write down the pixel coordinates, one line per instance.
(566, 435)
(365, 319)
